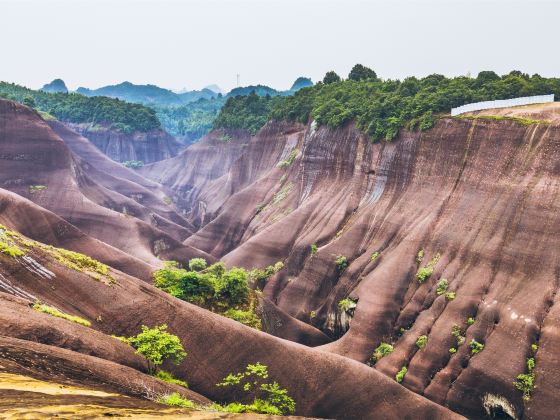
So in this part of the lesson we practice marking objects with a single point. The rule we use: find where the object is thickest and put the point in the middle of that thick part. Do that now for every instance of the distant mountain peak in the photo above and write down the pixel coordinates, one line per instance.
(56, 86)
(214, 88)
(302, 82)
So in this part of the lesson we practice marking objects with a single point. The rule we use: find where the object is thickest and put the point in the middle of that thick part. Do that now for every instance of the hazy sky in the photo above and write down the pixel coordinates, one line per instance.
(193, 43)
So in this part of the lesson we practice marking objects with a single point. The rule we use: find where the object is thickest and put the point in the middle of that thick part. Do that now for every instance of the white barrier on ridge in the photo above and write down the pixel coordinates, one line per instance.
(505, 103)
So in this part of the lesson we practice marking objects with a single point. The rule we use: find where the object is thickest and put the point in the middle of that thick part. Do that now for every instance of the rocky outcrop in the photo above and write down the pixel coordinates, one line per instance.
(148, 147)
(478, 197)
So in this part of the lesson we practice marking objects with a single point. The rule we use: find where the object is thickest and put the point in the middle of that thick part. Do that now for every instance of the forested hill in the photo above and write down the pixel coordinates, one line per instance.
(76, 108)
(380, 108)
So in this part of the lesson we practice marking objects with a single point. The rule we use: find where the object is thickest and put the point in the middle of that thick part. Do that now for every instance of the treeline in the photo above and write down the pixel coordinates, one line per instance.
(76, 108)
(190, 121)
(381, 108)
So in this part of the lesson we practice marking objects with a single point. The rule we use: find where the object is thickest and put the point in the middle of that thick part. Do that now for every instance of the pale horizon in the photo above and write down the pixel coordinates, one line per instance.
(195, 43)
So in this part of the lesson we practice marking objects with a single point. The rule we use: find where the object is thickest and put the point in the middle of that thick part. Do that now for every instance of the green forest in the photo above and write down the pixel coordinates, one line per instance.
(76, 108)
(380, 108)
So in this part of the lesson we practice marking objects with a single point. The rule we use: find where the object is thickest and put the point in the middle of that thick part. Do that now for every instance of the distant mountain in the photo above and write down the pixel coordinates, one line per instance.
(147, 94)
(260, 90)
(56, 86)
(214, 88)
(300, 83)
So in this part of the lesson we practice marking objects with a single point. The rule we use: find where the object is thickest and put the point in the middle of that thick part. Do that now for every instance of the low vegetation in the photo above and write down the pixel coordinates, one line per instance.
(341, 262)
(227, 292)
(169, 378)
(424, 273)
(525, 382)
(10, 250)
(442, 286)
(133, 164)
(475, 346)
(399, 377)
(381, 351)
(422, 341)
(33, 189)
(470, 321)
(268, 396)
(347, 304)
(458, 334)
(450, 295)
(175, 400)
(314, 249)
(289, 159)
(375, 256)
(41, 307)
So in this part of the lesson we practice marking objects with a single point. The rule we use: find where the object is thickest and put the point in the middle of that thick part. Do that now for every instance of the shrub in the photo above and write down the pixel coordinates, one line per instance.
(59, 314)
(425, 272)
(157, 345)
(442, 286)
(525, 382)
(420, 256)
(470, 321)
(347, 304)
(195, 287)
(169, 378)
(314, 249)
(458, 334)
(37, 188)
(375, 256)
(197, 264)
(268, 396)
(452, 350)
(289, 159)
(341, 262)
(176, 400)
(234, 286)
(10, 250)
(475, 346)
(422, 341)
(450, 295)
(247, 317)
(381, 351)
(400, 374)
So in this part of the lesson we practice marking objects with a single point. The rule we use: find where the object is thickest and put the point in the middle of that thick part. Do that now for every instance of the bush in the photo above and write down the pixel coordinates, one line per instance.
(169, 378)
(347, 304)
(400, 374)
(234, 286)
(314, 249)
(268, 397)
(195, 287)
(452, 350)
(450, 295)
(375, 256)
(425, 272)
(470, 321)
(341, 262)
(197, 264)
(157, 345)
(381, 351)
(422, 341)
(10, 250)
(246, 317)
(526, 381)
(442, 286)
(175, 400)
(475, 346)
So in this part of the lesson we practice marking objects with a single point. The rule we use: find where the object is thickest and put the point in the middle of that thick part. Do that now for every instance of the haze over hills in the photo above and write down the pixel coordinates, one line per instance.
(351, 233)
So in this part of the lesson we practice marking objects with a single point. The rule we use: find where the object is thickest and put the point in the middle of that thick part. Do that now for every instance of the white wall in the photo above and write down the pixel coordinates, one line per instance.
(505, 103)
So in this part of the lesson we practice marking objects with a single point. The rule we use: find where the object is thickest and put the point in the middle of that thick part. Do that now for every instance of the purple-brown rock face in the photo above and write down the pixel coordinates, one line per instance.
(148, 147)
(476, 203)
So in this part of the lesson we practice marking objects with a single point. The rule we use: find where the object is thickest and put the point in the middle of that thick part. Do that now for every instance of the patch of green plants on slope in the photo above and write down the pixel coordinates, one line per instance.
(422, 341)
(169, 378)
(424, 273)
(341, 262)
(380, 351)
(399, 377)
(289, 159)
(268, 396)
(381, 108)
(518, 120)
(442, 286)
(175, 400)
(41, 307)
(33, 189)
(347, 305)
(475, 346)
(226, 292)
(76, 108)
(525, 382)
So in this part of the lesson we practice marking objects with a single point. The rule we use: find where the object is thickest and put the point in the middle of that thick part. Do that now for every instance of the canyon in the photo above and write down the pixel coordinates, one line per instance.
(379, 226)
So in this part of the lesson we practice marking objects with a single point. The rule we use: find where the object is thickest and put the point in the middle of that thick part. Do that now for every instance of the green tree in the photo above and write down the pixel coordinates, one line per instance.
(197, 264)
(331, 77)
(360, 72)
(234, 286)
(157, 345)
(29, 101)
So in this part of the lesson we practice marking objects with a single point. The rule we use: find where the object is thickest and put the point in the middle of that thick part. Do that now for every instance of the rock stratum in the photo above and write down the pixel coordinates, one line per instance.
(477, 196)
(57, 190)
(474, 201)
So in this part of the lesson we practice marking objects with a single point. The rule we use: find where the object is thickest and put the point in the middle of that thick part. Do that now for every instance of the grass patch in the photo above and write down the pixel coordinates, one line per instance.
(33, 189)
(518, 120)
(169, 378)
(41, 307)
(175, 400)
(289, 159)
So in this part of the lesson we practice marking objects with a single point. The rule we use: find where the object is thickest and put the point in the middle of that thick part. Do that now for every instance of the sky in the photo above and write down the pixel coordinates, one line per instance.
(193, 43)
